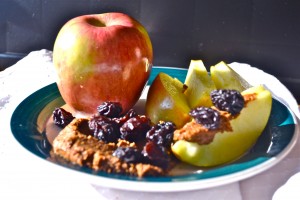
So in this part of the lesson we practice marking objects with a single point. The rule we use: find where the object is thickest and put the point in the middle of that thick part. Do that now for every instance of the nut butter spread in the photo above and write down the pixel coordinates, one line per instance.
(79, 148)
(195, 132)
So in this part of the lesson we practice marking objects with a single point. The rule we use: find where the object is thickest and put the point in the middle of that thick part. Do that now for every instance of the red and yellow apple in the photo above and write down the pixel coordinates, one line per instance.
(102, 57)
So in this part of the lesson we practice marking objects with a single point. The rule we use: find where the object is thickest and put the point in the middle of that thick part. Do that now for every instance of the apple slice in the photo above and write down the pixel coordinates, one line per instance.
(229, 146)
(166, 101)
(224, 77)
(199, 85)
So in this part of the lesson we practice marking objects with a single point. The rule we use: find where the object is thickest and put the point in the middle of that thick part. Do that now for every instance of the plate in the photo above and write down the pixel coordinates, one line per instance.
(29, 122)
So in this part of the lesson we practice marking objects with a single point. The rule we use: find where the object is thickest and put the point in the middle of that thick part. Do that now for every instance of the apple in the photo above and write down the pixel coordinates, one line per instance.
(224, 77)
(228, 146)
(102, 57)
(166, 101)
(199, 85)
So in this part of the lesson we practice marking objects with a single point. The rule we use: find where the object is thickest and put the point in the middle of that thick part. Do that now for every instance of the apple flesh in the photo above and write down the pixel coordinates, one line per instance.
(228, 146)
(166, 101)
(102, 57)
(199, 85)
(224, 77)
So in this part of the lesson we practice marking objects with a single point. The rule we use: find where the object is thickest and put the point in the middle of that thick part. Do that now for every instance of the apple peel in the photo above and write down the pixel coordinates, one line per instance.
(102, 57)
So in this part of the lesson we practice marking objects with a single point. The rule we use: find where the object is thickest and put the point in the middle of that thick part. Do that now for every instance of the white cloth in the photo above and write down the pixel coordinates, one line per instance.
(25, 176)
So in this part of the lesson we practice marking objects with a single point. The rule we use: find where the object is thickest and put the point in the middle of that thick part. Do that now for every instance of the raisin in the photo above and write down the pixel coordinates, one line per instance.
(61, 117)
(135, 128)
(156, 155)
(228, 100)
(104, 129)
(161, 133)
(208, 117)
(128, 154)
(110, 109)
(121, 120)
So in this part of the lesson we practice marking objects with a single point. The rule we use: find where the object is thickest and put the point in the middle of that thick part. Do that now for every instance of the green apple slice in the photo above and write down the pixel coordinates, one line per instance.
(229, 146)
(166, 101)
(199, 85)
(224, 77)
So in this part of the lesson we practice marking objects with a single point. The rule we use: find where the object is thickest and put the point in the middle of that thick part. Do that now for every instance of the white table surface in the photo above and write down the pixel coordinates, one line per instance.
(24, 176)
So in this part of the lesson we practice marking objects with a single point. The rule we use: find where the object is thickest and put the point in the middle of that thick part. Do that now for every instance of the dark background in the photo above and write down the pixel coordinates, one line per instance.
(263, 33)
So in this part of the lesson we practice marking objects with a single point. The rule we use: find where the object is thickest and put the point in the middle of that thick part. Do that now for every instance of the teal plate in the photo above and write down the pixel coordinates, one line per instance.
(28, 125)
